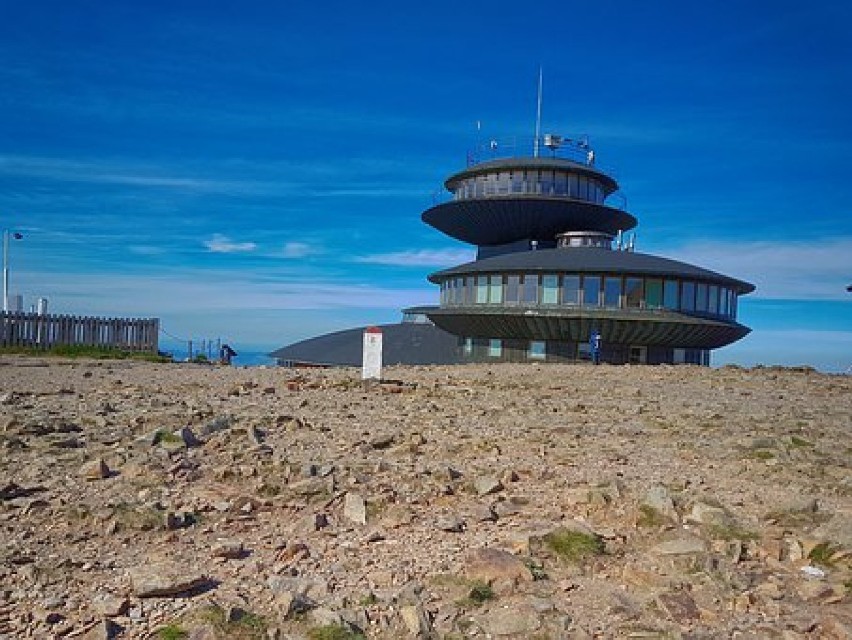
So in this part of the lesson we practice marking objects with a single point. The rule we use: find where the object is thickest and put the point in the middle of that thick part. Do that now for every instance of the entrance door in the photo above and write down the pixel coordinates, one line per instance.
(638, 355)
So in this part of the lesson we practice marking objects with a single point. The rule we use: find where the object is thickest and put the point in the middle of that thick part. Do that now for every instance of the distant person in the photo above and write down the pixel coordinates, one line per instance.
(595, 344)
(226, 353)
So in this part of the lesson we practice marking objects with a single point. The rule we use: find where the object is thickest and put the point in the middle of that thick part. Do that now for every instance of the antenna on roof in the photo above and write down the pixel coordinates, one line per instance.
(538, 116)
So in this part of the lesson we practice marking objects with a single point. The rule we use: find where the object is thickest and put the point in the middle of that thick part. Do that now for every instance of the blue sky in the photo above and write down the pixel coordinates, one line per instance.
(257, 172)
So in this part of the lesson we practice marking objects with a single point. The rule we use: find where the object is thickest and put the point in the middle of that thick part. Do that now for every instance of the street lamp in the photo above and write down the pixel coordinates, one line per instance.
(14, 235)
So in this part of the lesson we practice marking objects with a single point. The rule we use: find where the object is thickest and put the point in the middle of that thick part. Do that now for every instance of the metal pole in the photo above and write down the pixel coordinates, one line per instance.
(537, 117)
(5, 270)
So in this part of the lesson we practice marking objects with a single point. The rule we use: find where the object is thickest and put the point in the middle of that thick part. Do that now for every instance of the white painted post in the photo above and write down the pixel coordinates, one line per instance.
(372, 358)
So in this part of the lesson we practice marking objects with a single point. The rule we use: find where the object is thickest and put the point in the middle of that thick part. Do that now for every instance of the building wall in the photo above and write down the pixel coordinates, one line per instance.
(484, 350)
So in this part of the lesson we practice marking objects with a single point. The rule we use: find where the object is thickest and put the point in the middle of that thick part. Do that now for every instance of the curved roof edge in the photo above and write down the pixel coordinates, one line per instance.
(402, 343)
(590, 260)
(526, 162)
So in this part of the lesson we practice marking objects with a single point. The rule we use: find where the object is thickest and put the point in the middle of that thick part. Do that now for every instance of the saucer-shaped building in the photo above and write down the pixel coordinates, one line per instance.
(547, 275)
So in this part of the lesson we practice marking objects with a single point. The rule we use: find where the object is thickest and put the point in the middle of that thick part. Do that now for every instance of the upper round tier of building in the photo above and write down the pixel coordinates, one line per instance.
(553, 177)
(521, 198)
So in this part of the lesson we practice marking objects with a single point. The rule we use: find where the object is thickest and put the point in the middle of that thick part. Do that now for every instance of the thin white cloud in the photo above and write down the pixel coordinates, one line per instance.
(223, 244)
(198, 292)
(295, 250)
(818, 269)
(146, 250)
(106, 172)
(421, 258)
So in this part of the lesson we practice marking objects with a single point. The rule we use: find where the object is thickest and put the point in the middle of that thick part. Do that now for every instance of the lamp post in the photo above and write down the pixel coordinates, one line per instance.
(6, 236)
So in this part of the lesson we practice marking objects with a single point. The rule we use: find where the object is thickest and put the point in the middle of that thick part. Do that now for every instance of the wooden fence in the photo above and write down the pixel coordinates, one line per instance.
(45, 331)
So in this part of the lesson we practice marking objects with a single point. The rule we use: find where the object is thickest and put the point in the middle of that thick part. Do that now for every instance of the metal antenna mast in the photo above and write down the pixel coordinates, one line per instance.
(538, 117)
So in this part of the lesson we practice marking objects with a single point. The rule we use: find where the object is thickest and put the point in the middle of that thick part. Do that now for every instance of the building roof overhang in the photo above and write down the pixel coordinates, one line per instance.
(591, 260)
(504, 219)
(647, 327)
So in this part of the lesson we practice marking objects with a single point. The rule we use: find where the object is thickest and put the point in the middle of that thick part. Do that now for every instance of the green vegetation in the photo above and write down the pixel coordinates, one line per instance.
(82, 351)
(137, 517)
(822, 554)
(794, 518)
(761, 454)
(730, 532)
(334, 632)
(651, 517)
(574, 546)
(537, 570)
(172, 632)
(480, 592)
(164, 436)
(245, 626)
(796, 441)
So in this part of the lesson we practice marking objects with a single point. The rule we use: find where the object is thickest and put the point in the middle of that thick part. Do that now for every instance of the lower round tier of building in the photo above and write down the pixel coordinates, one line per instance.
(626, 327)
(484, 350)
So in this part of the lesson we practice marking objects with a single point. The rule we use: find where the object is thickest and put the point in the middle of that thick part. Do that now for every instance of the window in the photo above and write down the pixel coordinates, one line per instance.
(724, 295)
(549, 289)
(670, 294)
(495, 348)
(529, 294)
(467, 346)
(653, 294)
(633, 292)
(687, 300)
(713, 303)
(570, 289)
(481, 289)
(538, 350)
(459, 291)
(701, 297)
(495, 289)
(612, 291)
(560, 184)
(591, 291)
(584, 188)
(513, 285)
(573, 186)
(732, 308)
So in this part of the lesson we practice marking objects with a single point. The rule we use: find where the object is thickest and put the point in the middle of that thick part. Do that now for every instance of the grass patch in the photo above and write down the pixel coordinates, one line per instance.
(651, 517)
(761, 454)
(172, 632)
(796, 518)
(574, 546)
(164, 436)
(244, 626)
(537, 570)
(480, 592)
(822, 553)
(334, 632)
(137, 517)
(730, 532)
(796, 441)
(81, 351)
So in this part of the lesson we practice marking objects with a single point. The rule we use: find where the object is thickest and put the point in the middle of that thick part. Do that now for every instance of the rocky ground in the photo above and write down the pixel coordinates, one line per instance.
(513, 501)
